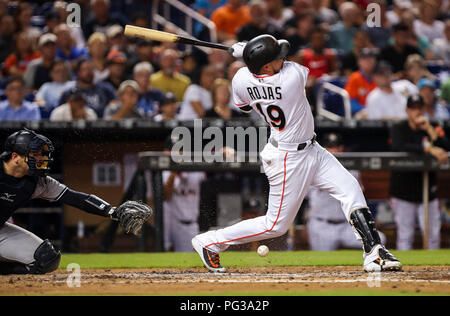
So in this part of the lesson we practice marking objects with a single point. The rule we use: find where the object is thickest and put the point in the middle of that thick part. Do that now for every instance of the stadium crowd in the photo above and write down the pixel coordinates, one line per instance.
(53, 70)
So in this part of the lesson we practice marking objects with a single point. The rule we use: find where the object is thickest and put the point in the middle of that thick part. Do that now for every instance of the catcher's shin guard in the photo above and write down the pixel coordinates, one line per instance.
(364, 224)
(47, 259)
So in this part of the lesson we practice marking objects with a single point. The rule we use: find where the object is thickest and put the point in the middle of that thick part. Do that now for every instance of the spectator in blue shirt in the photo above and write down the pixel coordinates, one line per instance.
(15, 108)
(98, 95)
(66, 48)
(342, 33)
(149, 99)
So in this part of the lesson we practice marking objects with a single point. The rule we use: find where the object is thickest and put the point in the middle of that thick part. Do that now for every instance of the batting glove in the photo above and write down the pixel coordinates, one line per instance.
(238, 49)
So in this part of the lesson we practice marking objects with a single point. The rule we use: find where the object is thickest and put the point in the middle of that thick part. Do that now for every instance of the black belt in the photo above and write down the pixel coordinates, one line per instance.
(300, 146)
(331, 221)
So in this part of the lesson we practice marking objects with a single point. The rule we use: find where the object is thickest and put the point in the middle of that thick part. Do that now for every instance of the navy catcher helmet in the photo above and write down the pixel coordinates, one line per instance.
(29, 144)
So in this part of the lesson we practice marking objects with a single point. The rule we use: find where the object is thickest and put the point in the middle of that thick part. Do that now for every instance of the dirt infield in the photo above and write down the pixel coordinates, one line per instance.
(248, 281)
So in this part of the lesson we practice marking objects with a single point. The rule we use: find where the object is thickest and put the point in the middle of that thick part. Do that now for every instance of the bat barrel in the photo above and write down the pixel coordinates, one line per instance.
(159, 36)
(154, 35)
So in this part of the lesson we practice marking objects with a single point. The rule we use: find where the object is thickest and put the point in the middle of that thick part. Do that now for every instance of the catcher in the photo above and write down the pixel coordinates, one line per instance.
(24, 168)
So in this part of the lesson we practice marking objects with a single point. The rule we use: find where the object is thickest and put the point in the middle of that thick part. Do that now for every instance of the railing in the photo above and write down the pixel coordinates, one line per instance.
(157, 162)
(322, 112)
(191, 16)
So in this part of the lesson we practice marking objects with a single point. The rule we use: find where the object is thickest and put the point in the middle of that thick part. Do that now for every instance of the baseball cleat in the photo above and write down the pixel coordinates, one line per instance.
(380, 259)
(210, 259)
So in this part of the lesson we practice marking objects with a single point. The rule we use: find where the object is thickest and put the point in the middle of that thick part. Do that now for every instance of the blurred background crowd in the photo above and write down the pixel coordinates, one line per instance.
(53, 70)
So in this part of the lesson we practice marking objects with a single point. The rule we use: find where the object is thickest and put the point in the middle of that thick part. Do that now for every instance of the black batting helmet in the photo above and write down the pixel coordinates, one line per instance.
(262, 50)
(25, 142)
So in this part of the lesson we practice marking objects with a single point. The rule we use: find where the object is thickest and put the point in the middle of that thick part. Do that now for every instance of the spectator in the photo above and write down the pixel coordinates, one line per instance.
(197, 98)
(384, 103)
(259, 24)
(190, 65)
(126, 106)
(427, 25)
(101, 18)
(116, 38)
(144, 53)
(220, 59)
(319, 60)
(66, 49)
(17, 62)
(168, 108)
(7, 29)
(98, 95)
(360, 83)
(400, 7)
(149, 99)
(324, 15)
(342, 33)
(416, 135)
(421, 43)
(52, 20)
(441, 46)
(415, 69)
(15, 108)
(278, 14)
(168, 79)
(397, 53)
(221, 97)
(298, 7)
(229, 18)
(38, 71)
(50, 93)
(301, 38)
(60, 7)
(380, 36)
(98, 48)
(349, 61)
(116, 65)
(75, 108)
(24, 14)
(433, 110)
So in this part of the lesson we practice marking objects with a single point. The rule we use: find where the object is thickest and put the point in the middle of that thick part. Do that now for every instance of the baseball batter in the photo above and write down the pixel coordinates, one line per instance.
(24, 166)
(292, 160)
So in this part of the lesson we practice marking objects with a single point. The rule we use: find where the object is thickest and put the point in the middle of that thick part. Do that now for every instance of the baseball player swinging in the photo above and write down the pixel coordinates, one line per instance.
(25, 164)
(292, 159)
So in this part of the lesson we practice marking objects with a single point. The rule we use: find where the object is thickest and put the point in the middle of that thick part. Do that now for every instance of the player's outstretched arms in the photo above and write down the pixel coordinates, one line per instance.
(131, 215)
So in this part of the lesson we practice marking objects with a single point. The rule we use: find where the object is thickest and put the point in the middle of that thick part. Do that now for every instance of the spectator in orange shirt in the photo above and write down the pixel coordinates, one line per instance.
(229, 18)
(16, 64)
(360, 82)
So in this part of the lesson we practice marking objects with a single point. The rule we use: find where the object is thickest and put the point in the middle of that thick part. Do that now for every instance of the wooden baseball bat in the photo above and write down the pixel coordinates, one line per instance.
(159, 36)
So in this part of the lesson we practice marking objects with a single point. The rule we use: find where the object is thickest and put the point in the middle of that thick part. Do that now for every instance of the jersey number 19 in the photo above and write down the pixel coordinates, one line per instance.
(275, 114)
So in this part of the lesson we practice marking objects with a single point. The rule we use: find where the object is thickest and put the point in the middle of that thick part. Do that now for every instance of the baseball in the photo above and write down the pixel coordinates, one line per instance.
(263, 250)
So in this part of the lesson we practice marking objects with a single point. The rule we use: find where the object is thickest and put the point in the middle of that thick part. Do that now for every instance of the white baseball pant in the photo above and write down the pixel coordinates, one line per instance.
(406, 214)
(290, 173)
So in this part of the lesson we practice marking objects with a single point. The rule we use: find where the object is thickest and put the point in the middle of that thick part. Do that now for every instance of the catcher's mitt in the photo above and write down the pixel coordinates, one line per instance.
(132, 215)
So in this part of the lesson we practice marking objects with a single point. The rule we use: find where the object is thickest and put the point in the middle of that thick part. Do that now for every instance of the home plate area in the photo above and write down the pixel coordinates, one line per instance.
(241, 281)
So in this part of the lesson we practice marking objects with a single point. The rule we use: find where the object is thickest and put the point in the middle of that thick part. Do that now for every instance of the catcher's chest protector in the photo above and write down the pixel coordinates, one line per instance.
(14, 193)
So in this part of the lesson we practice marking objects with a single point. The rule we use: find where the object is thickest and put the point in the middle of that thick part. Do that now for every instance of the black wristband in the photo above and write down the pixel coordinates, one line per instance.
(88, 203)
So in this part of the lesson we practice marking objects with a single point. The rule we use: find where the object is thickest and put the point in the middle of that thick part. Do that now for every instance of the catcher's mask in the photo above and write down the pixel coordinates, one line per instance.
(35, 148)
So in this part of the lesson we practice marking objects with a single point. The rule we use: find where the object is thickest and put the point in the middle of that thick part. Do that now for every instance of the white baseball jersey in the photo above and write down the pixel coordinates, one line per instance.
(281, 100)
(288, 114)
